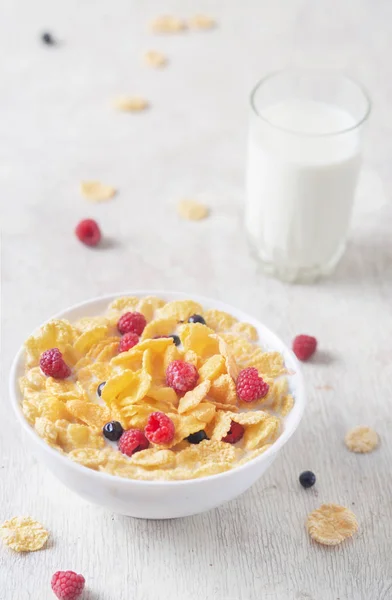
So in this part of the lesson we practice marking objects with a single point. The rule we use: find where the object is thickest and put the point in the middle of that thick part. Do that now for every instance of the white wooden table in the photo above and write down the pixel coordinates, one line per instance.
(56, 128)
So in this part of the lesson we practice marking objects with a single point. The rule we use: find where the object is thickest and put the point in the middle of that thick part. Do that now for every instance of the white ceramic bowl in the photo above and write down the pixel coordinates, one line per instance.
(161, 499)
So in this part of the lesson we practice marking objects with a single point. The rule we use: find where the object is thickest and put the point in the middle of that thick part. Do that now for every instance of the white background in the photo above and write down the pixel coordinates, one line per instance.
(56, 128)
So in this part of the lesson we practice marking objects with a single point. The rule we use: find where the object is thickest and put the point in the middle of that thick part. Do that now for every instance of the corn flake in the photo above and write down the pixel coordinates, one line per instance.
(201, 22)
(212, 368)
(223, 390)
(180, 310)
(159, 327)
(192, 210)
(23, 534)
(155, 59)
(361, 439)
(167, 24)
(199, 339)
(95, 191)
(218, 320)
(194, 397)
(245, 330)
(331, 524)
(130, 103)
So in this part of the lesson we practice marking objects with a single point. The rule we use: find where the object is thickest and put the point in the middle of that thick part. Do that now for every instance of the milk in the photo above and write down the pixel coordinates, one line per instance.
(303, 167)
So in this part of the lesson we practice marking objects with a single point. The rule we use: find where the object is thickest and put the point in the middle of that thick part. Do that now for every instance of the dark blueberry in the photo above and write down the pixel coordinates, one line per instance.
(196, 438)
(196, 319)
(307, 479)
(100, 388)
(176, 339)
(47, 39)
(113, 431)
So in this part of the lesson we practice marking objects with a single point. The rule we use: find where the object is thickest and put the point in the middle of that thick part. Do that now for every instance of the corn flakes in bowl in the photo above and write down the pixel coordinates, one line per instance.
(154, 404)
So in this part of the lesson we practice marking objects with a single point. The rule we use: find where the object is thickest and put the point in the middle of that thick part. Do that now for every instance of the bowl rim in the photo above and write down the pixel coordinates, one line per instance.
(297, 411)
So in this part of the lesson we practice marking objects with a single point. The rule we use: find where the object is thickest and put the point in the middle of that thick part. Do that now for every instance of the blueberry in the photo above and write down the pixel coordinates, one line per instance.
(307, 479)
(196, 438)
(113, 431)
(100, 388)
(176, 339)
(47, 39)
(196, 319)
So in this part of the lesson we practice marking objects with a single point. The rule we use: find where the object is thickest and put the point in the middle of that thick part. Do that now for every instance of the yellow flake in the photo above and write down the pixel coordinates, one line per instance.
(231, 364)
(201, 22)
(89, 457)
(207, 452)
(259, 434)
(88, 338)
(23, 534)
(47, 430)
(54, 334)
(198, 338)
(130, 103)
(149, 305)
(192, 210)
(212, 368)
(268, 364)
(167, 24)
(155, 59)
(204, 412)
(180, 310)
(223, 390)
(76, 436)
(153, 458)
(331, 524)
(54, 409)
(361, 439)
(89, 413)
(218, 320)
(191, 357)
(159, 327)
(245, 330)
(124, 304)
(95, 191)
(239, 346)
(192, 398)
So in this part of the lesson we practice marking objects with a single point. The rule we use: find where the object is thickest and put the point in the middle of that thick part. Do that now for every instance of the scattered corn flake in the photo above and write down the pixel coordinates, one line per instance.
(192, 398)
(245, 330)
(201, 22)
(180, 310)
(192, 210)
(212, 368)
(155, 59)
(23, 534)
(95, 191)
(167, 24)
(361, 439)
(331, 524)
(218, 320)
(223, 390)
(130, 103)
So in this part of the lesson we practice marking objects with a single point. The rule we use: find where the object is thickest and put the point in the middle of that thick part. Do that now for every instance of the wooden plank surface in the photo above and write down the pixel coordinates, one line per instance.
(56, 128)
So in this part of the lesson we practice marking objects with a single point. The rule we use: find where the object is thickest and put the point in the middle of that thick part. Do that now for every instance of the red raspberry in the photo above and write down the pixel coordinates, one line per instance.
(133, 322)
(131, 441)
(67, 585)
(250, 386)
(88, 232)
(304, 346)
(234, 434)
(129, 340)
(52, 364)
(159, 428)
(181, 376)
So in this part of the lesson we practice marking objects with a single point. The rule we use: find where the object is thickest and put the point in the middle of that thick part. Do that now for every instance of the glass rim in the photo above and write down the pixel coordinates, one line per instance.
(273, 74)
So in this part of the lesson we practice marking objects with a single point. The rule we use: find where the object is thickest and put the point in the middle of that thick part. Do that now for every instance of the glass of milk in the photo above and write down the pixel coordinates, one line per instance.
(304, 160)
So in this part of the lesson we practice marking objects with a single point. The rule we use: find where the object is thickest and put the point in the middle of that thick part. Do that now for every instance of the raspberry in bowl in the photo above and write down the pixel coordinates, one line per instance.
(183, 417)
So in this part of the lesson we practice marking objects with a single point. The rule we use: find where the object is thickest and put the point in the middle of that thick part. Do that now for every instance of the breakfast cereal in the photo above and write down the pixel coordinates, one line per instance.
(23, 534)
(169, 407)
(331, 524)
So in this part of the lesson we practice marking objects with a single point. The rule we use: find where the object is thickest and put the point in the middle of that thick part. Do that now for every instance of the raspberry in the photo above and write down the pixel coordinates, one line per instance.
(133, 322)
(67, 585)
(234, 434)
(131, 441)
(250, 386)
(181, 376)
(304, 346)
(129, 340)
(52, 364)
(88, 232)
(159, 428)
